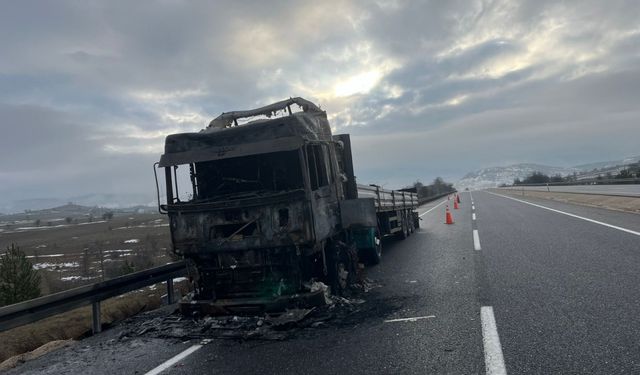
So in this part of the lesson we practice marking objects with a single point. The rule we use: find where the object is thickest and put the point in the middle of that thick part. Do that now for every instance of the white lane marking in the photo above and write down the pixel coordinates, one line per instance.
(493, 359)
(473, 216)
(431, 209)
(473, 207)
(174, 360)
(572, 215)
(476, 240)
(470, 197)
(416, 318)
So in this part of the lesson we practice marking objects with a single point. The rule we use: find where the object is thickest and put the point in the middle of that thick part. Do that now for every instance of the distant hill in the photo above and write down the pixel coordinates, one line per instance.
(73, 211)
(112, 201)
(494, 176)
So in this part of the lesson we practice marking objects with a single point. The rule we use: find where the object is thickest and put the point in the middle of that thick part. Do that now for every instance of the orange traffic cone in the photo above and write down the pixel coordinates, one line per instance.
(449, 218)
(455, 204)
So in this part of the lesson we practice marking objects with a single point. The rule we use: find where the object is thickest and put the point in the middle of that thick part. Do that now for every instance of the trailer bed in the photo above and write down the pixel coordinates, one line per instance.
(388, 200)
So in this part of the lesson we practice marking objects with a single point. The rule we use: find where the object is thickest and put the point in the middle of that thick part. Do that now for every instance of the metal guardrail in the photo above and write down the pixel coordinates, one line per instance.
(39, 308)
(593, 181)
(432, 198)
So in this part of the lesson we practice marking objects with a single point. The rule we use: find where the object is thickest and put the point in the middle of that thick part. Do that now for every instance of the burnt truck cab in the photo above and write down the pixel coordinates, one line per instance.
(262, 199)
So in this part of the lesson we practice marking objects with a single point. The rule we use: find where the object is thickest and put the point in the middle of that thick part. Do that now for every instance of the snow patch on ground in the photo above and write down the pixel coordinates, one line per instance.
(53, 266)
(73, 278)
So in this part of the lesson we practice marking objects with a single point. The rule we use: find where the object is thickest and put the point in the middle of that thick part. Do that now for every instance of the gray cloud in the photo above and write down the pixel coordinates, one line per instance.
(88, 90)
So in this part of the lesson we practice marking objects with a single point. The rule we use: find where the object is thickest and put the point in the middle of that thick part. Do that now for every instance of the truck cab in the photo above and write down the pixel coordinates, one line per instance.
(251, 206)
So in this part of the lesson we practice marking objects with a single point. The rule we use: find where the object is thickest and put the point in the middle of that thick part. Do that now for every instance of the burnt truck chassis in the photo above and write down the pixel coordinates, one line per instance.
(272, 206)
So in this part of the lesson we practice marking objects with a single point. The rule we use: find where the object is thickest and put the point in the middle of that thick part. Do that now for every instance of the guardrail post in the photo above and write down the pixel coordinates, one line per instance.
(96, 321)
(170, 297)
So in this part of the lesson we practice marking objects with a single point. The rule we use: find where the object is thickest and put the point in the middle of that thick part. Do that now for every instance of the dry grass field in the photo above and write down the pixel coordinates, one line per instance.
(70, 254)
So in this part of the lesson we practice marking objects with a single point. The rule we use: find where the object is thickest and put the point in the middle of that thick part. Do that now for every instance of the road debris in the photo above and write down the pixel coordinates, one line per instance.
(337, 311)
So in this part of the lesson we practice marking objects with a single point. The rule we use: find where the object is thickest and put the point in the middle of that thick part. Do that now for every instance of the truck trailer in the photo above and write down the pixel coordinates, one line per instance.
(264, 202)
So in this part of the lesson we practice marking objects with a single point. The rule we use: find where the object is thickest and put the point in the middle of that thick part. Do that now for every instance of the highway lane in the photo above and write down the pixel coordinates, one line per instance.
(631, 190)
(564, 290)
(542, 292)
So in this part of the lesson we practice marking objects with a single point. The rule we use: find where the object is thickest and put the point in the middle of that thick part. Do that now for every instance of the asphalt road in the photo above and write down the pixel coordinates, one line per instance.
(534, 291)
(627, 190)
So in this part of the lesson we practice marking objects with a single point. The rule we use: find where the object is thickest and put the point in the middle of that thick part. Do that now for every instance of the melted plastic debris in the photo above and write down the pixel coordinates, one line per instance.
(338, 311)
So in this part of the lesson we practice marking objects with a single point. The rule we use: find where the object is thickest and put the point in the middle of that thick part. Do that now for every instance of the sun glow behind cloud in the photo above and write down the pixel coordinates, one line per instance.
(360, 83)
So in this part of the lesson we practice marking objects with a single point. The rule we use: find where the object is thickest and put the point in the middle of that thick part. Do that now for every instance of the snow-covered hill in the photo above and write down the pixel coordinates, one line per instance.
(494, 176)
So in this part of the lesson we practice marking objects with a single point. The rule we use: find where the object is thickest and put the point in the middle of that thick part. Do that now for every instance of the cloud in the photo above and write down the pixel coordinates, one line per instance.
(89, 90)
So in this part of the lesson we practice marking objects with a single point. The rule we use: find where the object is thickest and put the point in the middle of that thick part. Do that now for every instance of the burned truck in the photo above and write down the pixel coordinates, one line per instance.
(263, 202)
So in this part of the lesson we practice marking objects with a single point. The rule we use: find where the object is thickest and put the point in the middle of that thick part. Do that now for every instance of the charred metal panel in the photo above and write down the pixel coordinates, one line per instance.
(201, 152)
(358, 213)
(242, 228)
(346, 164)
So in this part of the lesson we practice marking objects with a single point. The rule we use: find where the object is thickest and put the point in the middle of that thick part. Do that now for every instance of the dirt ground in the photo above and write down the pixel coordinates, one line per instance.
(625, 204)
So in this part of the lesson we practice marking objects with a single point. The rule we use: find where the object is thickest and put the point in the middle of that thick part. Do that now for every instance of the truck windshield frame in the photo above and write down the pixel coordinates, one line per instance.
(238, 177)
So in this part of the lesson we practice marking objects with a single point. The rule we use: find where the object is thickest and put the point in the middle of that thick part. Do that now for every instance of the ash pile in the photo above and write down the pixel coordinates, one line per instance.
(335, 311)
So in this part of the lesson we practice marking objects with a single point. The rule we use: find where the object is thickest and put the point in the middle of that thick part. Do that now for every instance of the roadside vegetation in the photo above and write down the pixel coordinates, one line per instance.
(630, 172)
(18, 280)
(437, 187)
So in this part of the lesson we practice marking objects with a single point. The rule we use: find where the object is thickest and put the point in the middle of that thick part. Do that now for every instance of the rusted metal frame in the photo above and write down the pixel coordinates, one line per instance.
(289, 143)
(225, 119)
(194, 182)
(334, 169)
(168, 184)
(217, 206)
(239, 230)
(302, 154)
(175, 182)
(155, 174)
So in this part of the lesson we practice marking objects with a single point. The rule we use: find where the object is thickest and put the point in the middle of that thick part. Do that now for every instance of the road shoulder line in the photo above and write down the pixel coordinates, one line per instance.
(432, 208)
(570, 214)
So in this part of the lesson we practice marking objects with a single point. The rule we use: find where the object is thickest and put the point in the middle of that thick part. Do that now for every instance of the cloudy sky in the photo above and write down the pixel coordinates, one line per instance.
(89, 89)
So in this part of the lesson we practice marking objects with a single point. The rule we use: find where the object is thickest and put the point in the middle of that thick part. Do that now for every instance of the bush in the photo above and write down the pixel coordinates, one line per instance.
(18, 280)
